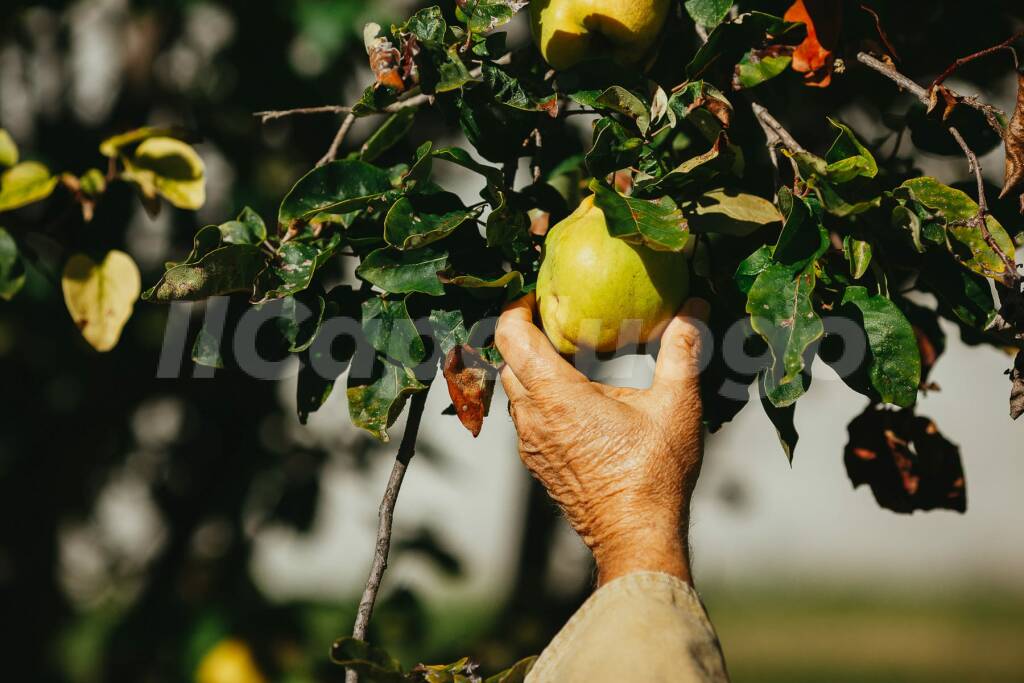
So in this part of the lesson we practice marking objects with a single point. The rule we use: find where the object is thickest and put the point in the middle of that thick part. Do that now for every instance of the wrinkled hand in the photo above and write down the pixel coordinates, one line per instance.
(622, 463)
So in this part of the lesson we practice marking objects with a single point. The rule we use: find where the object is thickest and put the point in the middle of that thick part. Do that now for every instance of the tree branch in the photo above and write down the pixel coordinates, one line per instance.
(385, 517)
(1005, 45)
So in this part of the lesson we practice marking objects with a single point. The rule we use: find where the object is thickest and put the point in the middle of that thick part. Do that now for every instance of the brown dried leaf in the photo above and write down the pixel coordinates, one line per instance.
(1017, 387)
(470, 384)
(949, 100)
(906, 461)
(540, 223)
(1013, 177)
(386, 61)
(814, 56)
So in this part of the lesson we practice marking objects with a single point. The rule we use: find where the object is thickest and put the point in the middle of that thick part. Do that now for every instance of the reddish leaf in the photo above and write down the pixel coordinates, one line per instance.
(470, 384)
(813, 57)
(540, 223)
(907, 463)
(1013, 177)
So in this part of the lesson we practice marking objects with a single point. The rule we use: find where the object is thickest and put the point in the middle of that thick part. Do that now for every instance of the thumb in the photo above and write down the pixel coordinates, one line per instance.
(679, 359)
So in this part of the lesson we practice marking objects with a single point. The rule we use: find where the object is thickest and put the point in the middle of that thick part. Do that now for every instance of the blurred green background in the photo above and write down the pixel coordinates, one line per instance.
(144, 520)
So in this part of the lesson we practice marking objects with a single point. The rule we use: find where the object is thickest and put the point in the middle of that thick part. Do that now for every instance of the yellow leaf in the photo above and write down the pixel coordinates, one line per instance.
(170, 168)
(24, 184)
(230, 661)
(8, 150)
(114, 145)
(100, 297)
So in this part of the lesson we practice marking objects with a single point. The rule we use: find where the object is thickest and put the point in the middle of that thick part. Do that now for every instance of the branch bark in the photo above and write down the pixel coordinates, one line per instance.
(385, 518)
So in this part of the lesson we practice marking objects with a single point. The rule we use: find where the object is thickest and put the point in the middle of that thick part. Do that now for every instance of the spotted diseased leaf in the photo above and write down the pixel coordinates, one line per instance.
(25, 183)
(1013, 176)
(391, 331)
(405, 272)
(296, 263)
(449, 329)
(100, 296)
(428, 25)
(12, 270)
(906, 461)
(621, 100)
(228, 269)
(169, 168)
(338, 187)
(814, 56)
(385, 60)
(894, 363)
(782, 312)
(705, 106)
(482, 16)
(965, 238)
(658, 224)
(417, 220)
(470, 385)
(376, 399)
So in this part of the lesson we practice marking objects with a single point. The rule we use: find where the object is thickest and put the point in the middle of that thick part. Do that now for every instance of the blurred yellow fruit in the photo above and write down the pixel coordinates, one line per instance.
(230, 661)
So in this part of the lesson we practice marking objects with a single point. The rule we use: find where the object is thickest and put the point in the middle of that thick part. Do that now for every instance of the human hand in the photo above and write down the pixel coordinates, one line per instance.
(622, 463)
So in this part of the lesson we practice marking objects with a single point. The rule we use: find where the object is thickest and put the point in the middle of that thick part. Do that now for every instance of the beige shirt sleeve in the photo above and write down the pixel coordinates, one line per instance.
(644, 626)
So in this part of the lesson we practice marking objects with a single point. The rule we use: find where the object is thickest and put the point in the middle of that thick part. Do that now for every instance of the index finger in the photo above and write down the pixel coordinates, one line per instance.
(526, 349)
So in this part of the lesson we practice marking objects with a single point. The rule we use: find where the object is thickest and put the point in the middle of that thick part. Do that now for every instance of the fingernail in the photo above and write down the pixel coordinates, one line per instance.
(697, 308)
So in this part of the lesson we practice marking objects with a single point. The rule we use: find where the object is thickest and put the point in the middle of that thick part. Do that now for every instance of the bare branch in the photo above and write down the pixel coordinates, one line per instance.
(385, 517)
(770, 122)
(1005, 45)
(339, 137)
(265, 116)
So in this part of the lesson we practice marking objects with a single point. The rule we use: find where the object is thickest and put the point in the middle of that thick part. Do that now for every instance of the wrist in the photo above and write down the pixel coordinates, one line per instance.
(654, 548)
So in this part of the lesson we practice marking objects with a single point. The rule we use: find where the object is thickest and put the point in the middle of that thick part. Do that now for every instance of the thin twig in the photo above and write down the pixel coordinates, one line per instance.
(385, 517)
(265, 116)
(881, 32)
(339, 137)
(1005, 45)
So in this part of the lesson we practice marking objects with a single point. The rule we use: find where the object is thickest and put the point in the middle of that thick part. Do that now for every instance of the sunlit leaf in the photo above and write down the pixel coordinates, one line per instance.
(731, 213)
(8, 150)
(24, 184)
(100, 297)
(169, 168)
(658, 224)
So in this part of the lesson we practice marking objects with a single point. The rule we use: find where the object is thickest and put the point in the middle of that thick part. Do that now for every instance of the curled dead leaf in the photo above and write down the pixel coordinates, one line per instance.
(1017, 387)
(814, 56)
(906, 461)
(1013, 176)
(470, 385)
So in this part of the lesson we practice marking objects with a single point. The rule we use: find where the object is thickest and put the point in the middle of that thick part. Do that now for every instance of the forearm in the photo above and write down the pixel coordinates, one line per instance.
(658, 546)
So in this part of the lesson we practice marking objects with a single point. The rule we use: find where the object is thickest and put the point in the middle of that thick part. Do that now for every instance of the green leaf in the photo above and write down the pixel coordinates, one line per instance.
(297, 263)
(729, 212)
(452, 72)
(375, 402)
(782, 419)
(751, 267)
(419, 219)
(803, 238)
(8, 150)
(842, 179)
(782, 312)
(516, 91)
(658, 224)
(614, 148)
(586, 82)
(12, 270)
(204, 241)
(508, 229)
(730, 40)
(313, 387)
(965, 238)
(373, 664)
(206, 350)
(428, 25)
(858, 254)
(895, 363)
(511, 282)
(248, 228)
(405, 272)
(390, 133)
(449, 329)
(225, 270)
(482, 16)
(24, 184)
(337, 187)
(391, 331)
(758, 66)
(516, 674)
(170, 168)
(623, 101)
(694, 175)
(707, 13)
(966, 294)
(461, 157)
(115, 145)
(93, 183)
